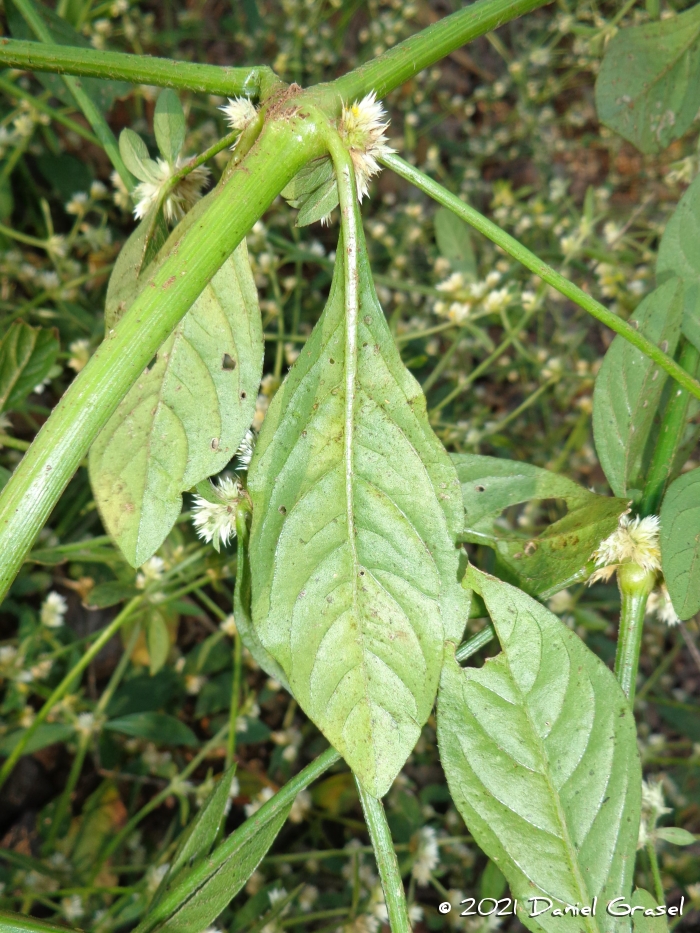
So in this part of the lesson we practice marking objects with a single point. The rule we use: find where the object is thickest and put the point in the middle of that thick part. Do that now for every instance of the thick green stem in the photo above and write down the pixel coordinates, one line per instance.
(195, 252)
(68, 683)
(405, 60)
(83, 100)
(635, 584)
(670, 436)
(387, 863)
(282, 799)
(532, 262)
(138, 69)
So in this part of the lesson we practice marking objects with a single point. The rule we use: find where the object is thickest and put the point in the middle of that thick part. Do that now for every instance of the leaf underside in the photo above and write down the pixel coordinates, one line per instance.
(539, 748)
(356, 509)
(680, 543)
(550, 561)
(648, 87)
(185, 417)
(629, 385)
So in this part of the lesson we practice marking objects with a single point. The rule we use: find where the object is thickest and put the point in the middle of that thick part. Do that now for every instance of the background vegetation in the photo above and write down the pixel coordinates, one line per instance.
(89, 817)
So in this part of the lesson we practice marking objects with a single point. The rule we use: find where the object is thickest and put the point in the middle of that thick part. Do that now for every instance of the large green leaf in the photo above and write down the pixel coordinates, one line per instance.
(102, 92)
(26, 356)
(680, 543)
(678, 256)
(544, 563)
(629, 385)
(185, 417)
(356, 508)
(648, 87)
(539, 748)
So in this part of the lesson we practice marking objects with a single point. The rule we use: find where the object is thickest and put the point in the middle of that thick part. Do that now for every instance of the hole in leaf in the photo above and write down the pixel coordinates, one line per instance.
(282, 510)
(228, 362)
(244, 395)
(480, 488)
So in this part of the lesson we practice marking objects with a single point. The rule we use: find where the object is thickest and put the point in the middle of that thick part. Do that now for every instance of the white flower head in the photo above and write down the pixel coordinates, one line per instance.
(149, 572)
(244, 454)
(239, 113)
(653, 808)
(660, 605)
(427, 855)
(362, 128)
(215, 519)
(180, 199)
(79, 354)
(53, 610)
(634, 541)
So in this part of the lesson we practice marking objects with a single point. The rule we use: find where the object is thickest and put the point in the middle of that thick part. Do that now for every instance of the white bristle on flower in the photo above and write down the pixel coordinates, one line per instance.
(634, 541)
(244, 454)
(239, 113)
(362, 127)
(181, 199)
(660, 605)
(215, 522)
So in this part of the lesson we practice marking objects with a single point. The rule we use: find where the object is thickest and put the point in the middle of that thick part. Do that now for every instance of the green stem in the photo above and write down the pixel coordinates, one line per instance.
(282, 799)
(670, 436)
(475, 643)
(202, 242)
(235, 698)
(635, 585)
(13, 90)
(532, 262)
(405, 60)
(387, 863)
(655, 873)
(138, 69)
(83, 100)
(67, 683)
(19, 923)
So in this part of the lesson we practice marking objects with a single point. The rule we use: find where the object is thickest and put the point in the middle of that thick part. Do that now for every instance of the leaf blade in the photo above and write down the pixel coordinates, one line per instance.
(169, 125)
(26, 356)
(680, 543)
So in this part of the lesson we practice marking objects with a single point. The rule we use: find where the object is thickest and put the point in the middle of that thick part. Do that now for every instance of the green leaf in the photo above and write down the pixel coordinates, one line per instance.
(676, 836)
(629, 385)
(680, 543)
(545, 563)
(677, 257)
(454, 241)
(201, 834)
(102, 92)
(156, 727)
(48, 733)
(158, 641)
(642, 923)
(313, 190)
(169, 125)
(648, 87)
(185, 417)
(318, 204)
(540, 753)
(356, 508)
(26, 356)
(134, 152)
(109, 594)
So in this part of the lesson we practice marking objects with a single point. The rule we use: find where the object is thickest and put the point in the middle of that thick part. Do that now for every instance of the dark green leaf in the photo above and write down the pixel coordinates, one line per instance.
(648, 924)
(629, 385)
(682, 717)
(558, 556)
(144, 693)
(65, 174)
(356, 508)
(103, 93)
(540, 753)
(648, 87)
(454, 241)
(48, 733)
(156, 727)
(158, 641)
(162, 440)
(109, 594)
(26, 356)
(169, 125)
(680, 543)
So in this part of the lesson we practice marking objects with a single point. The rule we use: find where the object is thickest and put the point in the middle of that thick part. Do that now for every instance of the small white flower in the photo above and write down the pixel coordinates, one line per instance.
(72, 907)
(659, 604)
(244, 454)
(85, 724)
(427, 855)
(194, 684)
(98, 190)
(265, 794)
(77, 204)
(79, 354)
(215, 522)
(228, 626)
(149, 572)
(634, 541)
(308, 897)
(181, 198)
(362, 128)
(53, 610)
(154, 876)
(497, 300)
(653, 808)
(239, 113)
(120, 195)
(301, 807)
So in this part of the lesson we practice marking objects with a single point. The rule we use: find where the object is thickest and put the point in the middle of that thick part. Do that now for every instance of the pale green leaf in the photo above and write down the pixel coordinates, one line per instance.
(454, 241)
(158, 641)
(356, 508)
(540, 753)
(676, 835)
(678, 257)
(645, 922)
(629, 385)
(680, 543)
(169, 125)
(134, 152)
(648, 87)
(26, 357)
(545, 563)
(185, 417)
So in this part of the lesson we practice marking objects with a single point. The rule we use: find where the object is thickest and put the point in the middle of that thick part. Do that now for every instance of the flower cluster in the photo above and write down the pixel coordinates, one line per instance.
(361, 128)
(180, 198)
(634, 541)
